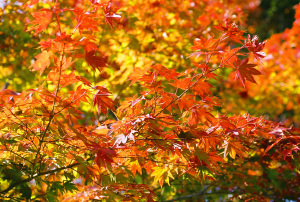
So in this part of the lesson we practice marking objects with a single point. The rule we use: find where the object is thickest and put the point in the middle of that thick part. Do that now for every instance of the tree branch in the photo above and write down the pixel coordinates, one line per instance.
(202, 192)
(13, 185)
(5, 85)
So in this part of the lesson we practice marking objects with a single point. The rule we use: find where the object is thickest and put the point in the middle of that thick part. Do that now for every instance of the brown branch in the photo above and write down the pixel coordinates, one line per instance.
(21, 126)
(53, 107)
(13, 185)
(70, 103)
(19, 155)
(199, 194)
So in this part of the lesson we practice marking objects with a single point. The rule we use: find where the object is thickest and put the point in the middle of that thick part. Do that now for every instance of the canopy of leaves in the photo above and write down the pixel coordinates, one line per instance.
(120, 101)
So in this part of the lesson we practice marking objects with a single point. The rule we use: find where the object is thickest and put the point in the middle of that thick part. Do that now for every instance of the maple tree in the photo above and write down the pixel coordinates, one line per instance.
(121, 105)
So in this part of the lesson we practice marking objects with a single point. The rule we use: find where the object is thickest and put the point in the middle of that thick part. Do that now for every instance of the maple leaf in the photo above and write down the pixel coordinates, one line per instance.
(45, 44)
(255, 47)
(204, 44)
(68, 79)
(53, 76)
(200, 114)
(234, 148)
(109, 11)
(83, 80)
(122, 139)
(167, 73)
(229, 56)
(186, 102)
(8, 92)
(41, 21)
(245, 71)
(158, 174)
(137, 74)
(135, 166)
(204, 20)
(78, 96)
(202, 88)
(95, 61)
(67, 63)
(42, 62)
(85, 20)
(88, 42)
(232, 31)
(272, 145)
(64, 38)
(104, 156)
(7, 96)
(168, 98)
(102, 100)
(93, 1)
(183, 83)
(203, 66)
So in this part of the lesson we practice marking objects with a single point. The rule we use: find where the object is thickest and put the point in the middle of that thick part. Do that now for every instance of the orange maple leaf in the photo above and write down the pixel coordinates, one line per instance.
(137, 74)
(167, 73)
(95, 61)
(204, 46)
(203, 43)
(41, 21)
(42, 62)
(183, 83)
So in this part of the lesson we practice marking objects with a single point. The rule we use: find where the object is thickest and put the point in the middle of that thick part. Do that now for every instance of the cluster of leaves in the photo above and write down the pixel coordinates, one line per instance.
(166, 128)
(278, 95)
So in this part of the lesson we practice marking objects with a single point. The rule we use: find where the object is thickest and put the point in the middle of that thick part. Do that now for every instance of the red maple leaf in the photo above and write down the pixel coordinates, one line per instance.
(110, 12)
(95, 61)
(102, 100)
(255, 47)
(104, 156)
(245, 71)
(232, 31)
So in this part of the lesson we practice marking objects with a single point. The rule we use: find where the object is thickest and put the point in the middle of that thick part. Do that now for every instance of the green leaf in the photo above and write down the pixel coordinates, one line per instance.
(25, 191)
(203, 156)
(272, 174)
(69, 186)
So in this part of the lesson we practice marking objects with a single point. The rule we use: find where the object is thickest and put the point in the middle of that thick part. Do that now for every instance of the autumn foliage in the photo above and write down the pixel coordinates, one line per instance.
(126, 100)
